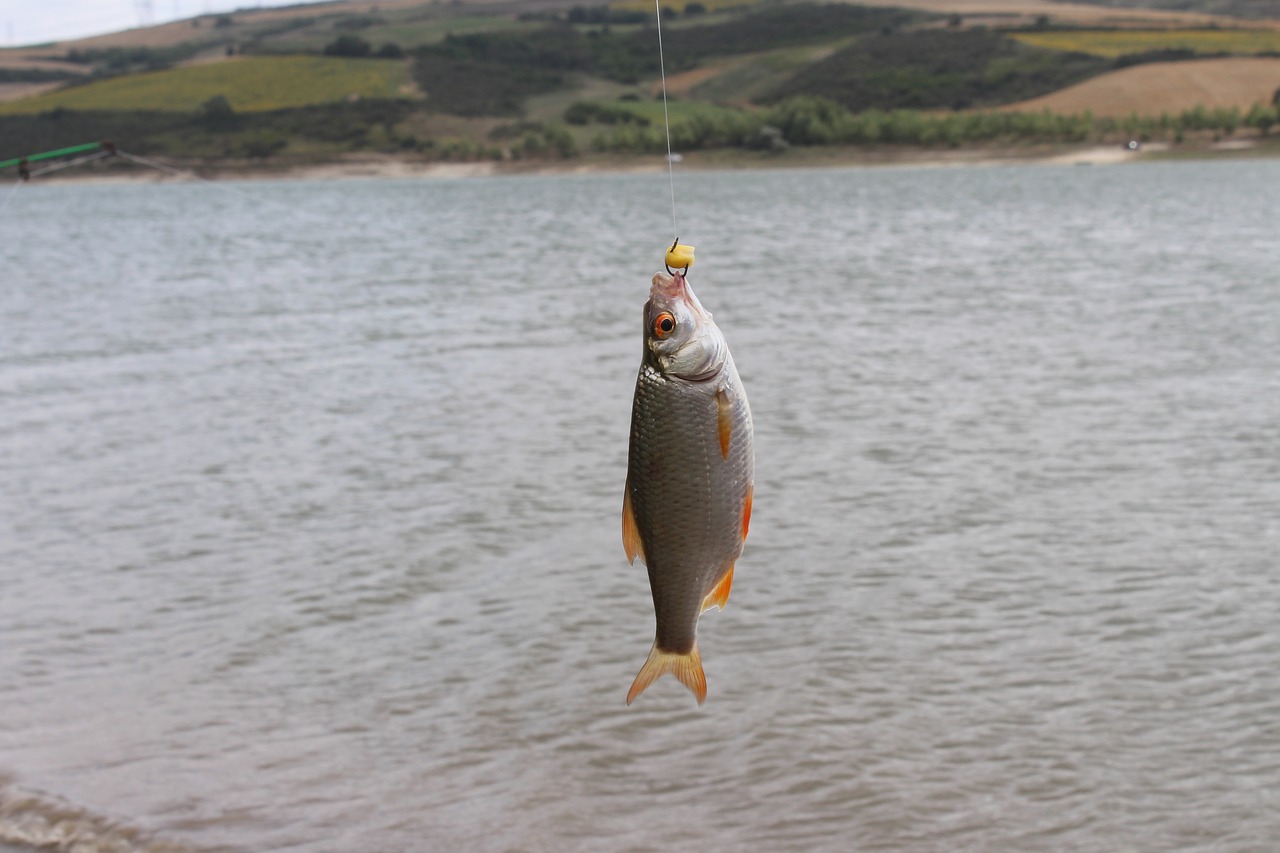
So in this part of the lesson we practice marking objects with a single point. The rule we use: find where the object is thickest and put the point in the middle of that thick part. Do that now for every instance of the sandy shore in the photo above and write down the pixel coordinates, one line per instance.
(388, 167)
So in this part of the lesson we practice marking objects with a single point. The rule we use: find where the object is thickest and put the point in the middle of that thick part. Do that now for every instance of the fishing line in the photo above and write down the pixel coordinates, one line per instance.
(8, 197)
(284, 207)
(143, 161)
(666, 120)
(151, 164)
(66, 164)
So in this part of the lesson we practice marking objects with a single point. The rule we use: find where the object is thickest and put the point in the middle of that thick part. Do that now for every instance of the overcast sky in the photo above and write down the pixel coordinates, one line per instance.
(34, 21)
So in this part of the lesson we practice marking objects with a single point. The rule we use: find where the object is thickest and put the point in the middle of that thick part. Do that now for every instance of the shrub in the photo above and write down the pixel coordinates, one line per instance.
(348, 45)
(262, 145)
(808, 120)
(1261, 118)
(583, 112)
(217, 113)
(765, 138)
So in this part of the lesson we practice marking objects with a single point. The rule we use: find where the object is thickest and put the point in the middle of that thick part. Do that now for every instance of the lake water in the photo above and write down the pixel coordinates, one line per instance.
(310, 492)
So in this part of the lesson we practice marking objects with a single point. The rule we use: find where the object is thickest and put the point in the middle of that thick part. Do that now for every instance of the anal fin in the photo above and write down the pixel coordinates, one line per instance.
(719, 596)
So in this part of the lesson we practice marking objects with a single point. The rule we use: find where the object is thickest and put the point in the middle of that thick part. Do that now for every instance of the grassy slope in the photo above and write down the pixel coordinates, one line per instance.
(408, 33)
(938, 69)
(1074, 12)
(1113, 43)
(249, 84)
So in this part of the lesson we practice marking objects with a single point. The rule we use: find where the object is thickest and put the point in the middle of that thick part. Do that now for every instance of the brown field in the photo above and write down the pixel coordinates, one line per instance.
(18, 91)
(1167, 87)
(680, 84)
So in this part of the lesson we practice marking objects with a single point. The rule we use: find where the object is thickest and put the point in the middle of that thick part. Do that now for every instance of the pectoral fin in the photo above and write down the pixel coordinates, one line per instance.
(724, 420)
(630, 533)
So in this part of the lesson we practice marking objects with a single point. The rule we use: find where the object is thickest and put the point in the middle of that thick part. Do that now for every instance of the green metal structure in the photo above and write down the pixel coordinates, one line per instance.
(49, 155)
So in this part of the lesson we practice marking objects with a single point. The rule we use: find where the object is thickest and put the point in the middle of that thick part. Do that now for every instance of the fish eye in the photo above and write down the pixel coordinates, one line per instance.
(663, 325)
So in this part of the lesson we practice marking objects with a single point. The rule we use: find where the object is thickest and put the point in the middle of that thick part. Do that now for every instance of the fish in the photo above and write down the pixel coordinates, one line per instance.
(690, 476)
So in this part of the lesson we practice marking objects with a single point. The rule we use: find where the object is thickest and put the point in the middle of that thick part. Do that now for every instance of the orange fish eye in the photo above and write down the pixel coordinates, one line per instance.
(663, 325)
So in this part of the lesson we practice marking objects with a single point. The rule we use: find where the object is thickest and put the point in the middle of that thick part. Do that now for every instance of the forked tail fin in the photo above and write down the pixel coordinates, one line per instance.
(686, 667)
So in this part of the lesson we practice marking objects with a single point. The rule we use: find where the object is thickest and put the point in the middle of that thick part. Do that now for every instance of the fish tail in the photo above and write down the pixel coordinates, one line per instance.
(686, 667)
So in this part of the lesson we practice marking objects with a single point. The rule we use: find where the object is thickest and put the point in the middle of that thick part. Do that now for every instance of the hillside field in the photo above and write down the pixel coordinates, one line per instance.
(1167, 87)
(250, 84)
(1012, 12)
(1113, 43)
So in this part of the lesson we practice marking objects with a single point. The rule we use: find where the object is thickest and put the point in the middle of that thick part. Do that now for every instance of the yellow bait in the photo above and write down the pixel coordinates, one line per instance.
(679, 256)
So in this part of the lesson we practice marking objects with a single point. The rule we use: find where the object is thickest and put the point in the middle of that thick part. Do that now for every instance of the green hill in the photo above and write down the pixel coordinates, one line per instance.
(1115, 43)
(935, 68)
(461, 81)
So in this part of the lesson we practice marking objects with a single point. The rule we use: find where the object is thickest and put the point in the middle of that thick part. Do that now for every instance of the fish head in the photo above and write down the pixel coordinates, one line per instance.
(681, 339)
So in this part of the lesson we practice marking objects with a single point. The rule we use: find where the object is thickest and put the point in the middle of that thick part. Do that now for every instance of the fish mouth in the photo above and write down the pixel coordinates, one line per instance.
(677, 288)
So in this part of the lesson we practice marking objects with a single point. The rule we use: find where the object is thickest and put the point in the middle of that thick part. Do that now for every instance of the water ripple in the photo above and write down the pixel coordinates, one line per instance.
(308, 532)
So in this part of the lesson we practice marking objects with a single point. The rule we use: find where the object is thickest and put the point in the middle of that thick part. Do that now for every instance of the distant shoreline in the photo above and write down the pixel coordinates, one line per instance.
(390, 167)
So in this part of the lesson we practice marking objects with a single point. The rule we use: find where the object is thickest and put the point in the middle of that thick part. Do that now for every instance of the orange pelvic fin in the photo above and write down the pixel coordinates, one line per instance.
(719, 596)
(630, 533)
(746, 510)
(687, 668)
(724, 420)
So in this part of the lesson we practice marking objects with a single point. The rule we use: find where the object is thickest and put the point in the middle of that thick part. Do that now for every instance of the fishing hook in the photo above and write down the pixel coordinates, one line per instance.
(684, 272)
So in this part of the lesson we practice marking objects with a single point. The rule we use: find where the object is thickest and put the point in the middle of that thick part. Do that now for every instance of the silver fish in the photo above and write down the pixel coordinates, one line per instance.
(690, 475)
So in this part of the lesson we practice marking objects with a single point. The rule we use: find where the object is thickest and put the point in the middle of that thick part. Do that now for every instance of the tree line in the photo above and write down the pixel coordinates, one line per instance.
(811, 120)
